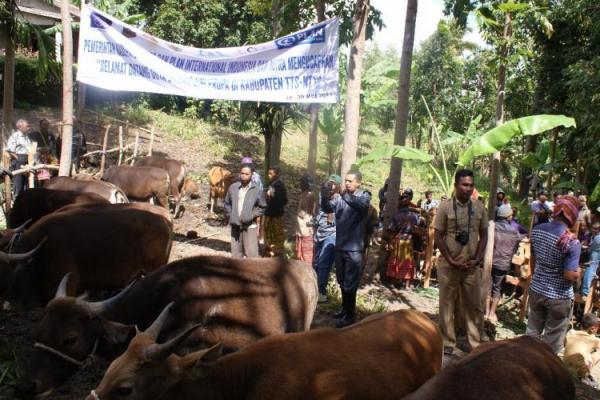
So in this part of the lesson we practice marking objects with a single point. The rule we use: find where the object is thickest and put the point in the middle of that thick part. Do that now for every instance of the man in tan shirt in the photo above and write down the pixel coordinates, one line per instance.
(461, 235)
(582, 349)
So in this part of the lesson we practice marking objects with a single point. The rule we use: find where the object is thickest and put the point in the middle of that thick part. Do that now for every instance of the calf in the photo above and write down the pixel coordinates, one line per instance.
(384, 357)
(103, 189)
(523, 368)
(33, 204)
(238, 301)
(104, 245)
(219, 179)
(141, 183)
(176, 171)
(191, 189)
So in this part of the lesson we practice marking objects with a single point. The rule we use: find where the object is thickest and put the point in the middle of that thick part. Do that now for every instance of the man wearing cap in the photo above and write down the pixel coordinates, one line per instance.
(582, 350)
(325, 239)
(506, 241)
(555, 257)
(18, 147)
(256, 180)
(351, 209)
(541, 209)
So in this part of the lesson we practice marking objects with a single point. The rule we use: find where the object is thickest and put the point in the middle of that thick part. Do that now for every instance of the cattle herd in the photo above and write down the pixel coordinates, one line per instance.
(212, 327)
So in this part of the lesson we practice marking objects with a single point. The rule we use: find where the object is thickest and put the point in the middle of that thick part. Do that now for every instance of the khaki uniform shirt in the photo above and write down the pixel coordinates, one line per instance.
(447, 222)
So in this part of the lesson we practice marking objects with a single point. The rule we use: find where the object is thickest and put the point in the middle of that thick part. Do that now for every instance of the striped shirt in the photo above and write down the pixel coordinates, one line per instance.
(18, 143)
(550, 262)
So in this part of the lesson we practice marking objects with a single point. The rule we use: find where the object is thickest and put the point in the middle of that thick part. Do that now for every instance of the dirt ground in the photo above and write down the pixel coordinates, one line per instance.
(198, 232)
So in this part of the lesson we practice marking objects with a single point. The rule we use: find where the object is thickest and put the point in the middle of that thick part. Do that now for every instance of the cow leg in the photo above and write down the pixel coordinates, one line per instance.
(163, 201)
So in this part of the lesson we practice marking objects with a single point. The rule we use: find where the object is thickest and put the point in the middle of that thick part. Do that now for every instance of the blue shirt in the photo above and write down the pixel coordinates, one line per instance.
(551, 263)
(538, 206)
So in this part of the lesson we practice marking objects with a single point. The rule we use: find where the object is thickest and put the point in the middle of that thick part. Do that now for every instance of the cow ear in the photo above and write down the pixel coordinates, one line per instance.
(117, 333)
(194, 365)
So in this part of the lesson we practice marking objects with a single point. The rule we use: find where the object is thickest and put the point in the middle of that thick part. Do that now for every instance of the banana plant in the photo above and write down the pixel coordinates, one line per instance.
(493, 140)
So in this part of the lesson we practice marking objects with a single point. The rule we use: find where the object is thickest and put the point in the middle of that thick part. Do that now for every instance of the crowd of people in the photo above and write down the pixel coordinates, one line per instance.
(47, 150)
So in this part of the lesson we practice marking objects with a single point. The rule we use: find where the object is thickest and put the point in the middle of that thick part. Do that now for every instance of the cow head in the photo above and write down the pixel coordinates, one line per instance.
(11, 264)
(7, 235)
(69, 333)
(148, 369)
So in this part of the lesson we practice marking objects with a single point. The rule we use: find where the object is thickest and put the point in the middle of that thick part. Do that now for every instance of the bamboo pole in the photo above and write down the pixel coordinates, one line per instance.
(30, 161)
(104, 143)
(151, 141)
(120, 144)
(135, 147)
(7, 183)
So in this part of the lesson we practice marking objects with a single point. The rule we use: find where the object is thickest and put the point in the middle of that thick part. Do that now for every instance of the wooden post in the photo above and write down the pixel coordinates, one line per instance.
(429, 250)
(120, 144)
(30, 160)
(103, 158)
(7, 183)
(135, 146)
(151, 141)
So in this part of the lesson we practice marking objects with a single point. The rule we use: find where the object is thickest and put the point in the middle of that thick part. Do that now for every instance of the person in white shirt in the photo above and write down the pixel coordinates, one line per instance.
(18, 147)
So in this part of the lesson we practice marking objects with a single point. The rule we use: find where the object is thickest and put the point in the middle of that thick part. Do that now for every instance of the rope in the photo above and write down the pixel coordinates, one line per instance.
(65, 357)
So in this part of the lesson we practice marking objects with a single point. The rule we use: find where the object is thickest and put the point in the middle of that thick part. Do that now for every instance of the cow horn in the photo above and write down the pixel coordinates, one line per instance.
(99, 307)
(163, 350)
(158, 323)
(62, 287)
(21, 228)
(19, 257)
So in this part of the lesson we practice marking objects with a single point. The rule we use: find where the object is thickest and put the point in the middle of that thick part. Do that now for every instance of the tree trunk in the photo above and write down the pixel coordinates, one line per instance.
(275, 154)
(272, 157)
(268, 142)
(67, 131)
(530, 146)
(552, 158)
(352, 111)
(486, 282)
(401, 109)
(313, 139)
(9, 83)
(401, 124)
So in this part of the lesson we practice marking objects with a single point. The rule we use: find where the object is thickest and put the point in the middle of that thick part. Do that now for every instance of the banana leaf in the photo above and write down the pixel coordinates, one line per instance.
(496, 138)
(386, 152)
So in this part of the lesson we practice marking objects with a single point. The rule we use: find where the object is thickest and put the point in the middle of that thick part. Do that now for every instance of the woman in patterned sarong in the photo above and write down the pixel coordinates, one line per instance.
(401, 265)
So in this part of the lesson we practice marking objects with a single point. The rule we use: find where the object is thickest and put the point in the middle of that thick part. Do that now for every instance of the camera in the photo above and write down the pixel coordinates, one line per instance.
(462, 237)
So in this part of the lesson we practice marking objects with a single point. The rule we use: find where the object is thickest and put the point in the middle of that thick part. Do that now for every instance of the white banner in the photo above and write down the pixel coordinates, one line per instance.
(298, 68)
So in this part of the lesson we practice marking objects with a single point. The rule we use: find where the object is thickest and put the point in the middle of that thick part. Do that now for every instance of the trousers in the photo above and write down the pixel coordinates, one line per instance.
(244, 242)
(548, 319)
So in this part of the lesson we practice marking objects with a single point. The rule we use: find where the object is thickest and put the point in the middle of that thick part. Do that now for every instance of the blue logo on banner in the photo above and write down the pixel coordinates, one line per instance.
(99, 21)
(311, 35)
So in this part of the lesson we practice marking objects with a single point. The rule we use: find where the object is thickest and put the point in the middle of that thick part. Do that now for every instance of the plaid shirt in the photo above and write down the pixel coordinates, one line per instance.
(550, 262)
(18, 143)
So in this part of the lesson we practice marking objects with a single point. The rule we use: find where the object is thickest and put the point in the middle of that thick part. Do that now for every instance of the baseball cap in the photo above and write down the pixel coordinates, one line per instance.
(504, 211)
(335, 178)
(246, 160)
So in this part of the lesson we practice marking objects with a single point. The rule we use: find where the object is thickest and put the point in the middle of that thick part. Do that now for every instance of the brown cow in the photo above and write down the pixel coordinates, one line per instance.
(103, 245)
(239, 301)
(33, 204)
(219, 179)
(383, 357)
(176, 171)
(141, 183)
(190, 190)
(104, 189)
(523, 368)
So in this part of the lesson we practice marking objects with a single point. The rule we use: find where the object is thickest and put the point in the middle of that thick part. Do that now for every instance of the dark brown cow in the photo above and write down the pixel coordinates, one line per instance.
(384, 357)
(176, 171)
(238, 301)
(141, 183)
(33, 204)
(104, 245)
(104, 189)
(523, 368)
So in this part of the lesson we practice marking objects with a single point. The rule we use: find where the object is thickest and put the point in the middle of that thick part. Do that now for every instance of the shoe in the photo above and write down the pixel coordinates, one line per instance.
(340, 314)
(322, 298)
(344, 321)
(448, 351)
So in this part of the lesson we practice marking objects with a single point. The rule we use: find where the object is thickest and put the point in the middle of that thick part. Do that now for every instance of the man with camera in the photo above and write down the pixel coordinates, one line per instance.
(351, 208)
(461, 235)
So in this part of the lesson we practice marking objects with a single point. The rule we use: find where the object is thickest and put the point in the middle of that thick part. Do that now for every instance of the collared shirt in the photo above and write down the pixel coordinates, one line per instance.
(448, 222)
(429, 205)
(550, 263)
(19, 143)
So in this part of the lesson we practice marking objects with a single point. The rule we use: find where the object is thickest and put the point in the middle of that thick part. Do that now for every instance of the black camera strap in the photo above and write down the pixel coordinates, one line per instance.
(456, 216)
